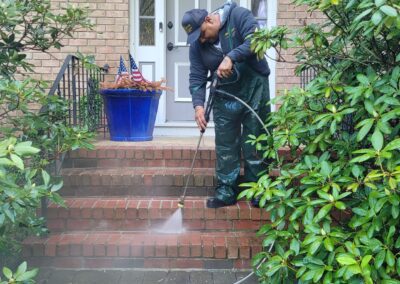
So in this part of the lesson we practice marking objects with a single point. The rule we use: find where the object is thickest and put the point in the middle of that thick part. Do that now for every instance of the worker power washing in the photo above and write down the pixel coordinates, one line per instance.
(218, 41)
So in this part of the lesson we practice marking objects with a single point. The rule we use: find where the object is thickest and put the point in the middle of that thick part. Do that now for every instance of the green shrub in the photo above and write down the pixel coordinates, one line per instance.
(335, 208)
(31, 140)
(22, 275)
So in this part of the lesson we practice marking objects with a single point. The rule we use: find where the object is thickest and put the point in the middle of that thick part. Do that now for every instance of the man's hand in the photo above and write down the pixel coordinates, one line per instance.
(200, 117)
(225, 68)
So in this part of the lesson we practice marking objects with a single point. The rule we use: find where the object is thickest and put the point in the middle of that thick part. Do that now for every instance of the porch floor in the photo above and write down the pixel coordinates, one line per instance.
(167, 141)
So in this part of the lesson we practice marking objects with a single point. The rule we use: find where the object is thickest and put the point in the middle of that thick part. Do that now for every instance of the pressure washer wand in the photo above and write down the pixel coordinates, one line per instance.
(209, 105)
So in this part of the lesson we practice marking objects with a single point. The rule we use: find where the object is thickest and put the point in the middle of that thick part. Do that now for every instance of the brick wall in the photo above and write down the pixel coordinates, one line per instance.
(108, 39)
(293, 17)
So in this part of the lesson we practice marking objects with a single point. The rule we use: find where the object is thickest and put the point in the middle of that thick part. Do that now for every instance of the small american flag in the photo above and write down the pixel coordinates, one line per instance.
(122, 71)
(135, 73)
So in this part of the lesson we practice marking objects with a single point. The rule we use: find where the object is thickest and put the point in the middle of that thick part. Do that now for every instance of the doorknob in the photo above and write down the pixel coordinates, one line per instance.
(170, 46)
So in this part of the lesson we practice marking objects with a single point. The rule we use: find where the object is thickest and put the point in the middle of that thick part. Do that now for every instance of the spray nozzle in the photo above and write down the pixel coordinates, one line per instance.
(181, 203)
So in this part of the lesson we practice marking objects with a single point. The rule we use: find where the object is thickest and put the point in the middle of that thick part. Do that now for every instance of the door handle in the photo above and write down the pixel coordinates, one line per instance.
(170, 46)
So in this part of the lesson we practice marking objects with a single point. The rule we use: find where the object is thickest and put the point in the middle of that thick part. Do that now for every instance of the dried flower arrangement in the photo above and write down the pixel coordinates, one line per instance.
(133, 79)
(126, 82)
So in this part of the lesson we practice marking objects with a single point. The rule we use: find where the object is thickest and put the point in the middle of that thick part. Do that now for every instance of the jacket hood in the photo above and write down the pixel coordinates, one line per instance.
(228, 7)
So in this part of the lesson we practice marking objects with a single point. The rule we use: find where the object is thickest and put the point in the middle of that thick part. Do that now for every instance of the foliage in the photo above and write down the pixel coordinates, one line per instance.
(335, 206)
(22, 275)
(31, 140)
(33, 26)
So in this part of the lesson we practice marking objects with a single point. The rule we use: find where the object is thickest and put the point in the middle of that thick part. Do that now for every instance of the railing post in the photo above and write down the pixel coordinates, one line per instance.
(75, 70)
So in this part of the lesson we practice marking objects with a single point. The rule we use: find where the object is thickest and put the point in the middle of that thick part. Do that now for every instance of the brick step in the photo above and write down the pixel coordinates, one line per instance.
(138, 155)
(113, 249)
(141, 214)
(138, 182)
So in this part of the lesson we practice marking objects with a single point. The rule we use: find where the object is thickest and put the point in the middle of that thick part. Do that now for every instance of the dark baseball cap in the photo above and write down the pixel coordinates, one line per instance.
(191, 23)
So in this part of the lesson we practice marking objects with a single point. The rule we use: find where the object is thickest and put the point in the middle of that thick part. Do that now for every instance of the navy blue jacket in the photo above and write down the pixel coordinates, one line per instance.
(236, 24)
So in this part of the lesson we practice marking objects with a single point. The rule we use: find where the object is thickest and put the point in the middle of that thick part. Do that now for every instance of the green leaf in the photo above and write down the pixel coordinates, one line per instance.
(395, 211)
(369, 106)
(46, 177)
(346, 259)
(301, 271)
(340, 205)
(328, 278)
(328, 244)
(390, 11)
(379, 3)
(318, 275)
(295, 246)
(365, 129)
(7, 273)
(377, 140)
(393, 145)
(21, 269)
(379, 258)
(299, 211)
(6, 162)
(360, 77)
(376, 18)
(326, 169)
(314, 247)
(323, 212)
(28, 275)
(309, 275)
(390, 259)
(366, 259)
(17, 161)
(25, 148)
(56, 187)
(398, 266)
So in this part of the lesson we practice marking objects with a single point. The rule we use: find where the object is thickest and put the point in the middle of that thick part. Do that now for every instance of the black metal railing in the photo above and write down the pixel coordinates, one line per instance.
(78, 84)
(306, 76)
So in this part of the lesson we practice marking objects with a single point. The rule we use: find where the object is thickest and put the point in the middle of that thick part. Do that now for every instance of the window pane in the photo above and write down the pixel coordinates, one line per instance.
(259, 9)
(146, 7)
(146, 27)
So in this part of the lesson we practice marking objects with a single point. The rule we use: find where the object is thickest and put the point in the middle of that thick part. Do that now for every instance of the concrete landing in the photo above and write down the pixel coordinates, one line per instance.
(51, 276)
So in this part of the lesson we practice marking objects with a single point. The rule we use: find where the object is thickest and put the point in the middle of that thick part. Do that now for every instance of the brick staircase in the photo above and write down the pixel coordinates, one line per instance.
(119, 194)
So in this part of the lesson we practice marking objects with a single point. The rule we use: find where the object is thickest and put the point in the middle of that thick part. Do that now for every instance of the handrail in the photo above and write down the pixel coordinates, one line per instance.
(79, 86)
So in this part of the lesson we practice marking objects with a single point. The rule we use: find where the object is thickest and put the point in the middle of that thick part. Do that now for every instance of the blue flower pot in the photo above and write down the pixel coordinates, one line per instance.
(131, 113)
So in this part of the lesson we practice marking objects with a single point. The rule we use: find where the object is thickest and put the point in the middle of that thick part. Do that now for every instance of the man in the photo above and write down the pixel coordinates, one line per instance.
(217, 41)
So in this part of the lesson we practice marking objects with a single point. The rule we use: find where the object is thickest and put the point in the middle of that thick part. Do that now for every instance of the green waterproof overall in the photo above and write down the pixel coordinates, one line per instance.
(233, 124)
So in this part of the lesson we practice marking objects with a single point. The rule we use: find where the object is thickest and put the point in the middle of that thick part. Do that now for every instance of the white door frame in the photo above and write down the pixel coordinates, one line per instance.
(184, 128)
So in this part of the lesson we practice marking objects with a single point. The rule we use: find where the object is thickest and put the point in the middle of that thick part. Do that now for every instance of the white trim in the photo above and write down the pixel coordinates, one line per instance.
(183, 129)
(271, 22)
(176, 83)
(132, 24)
(162, 111)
